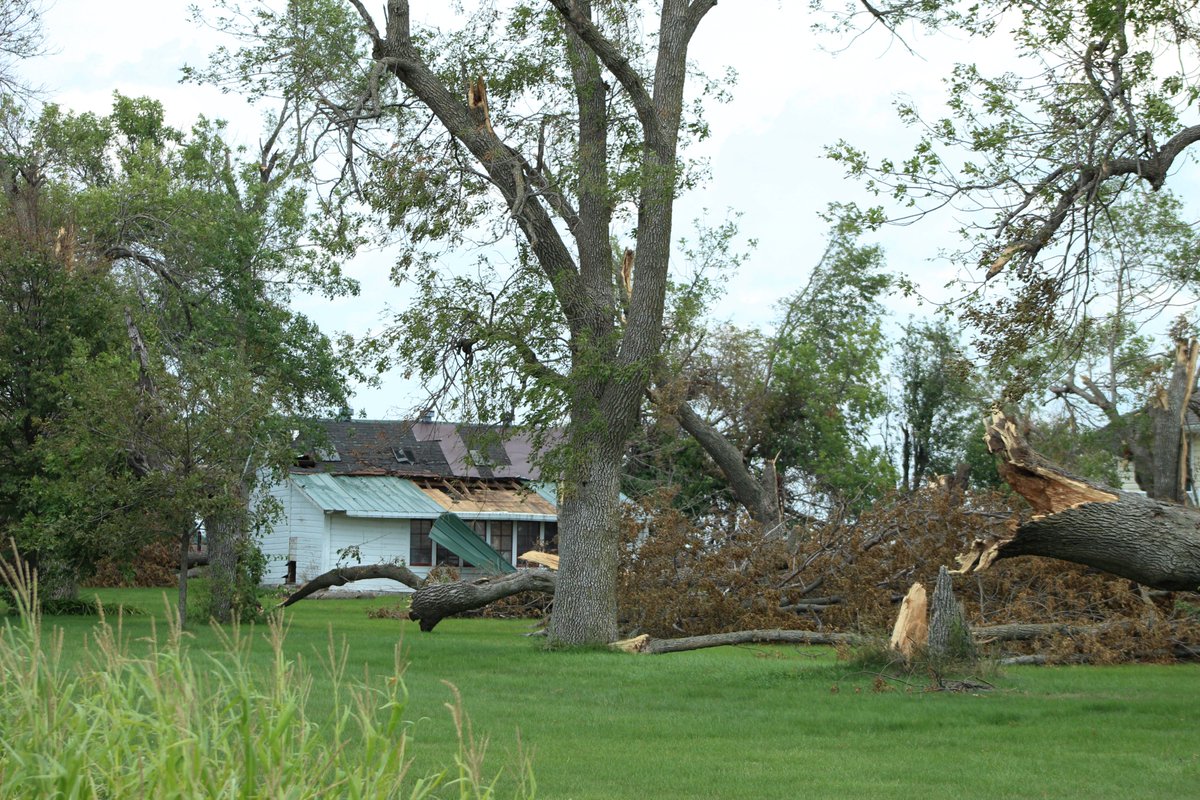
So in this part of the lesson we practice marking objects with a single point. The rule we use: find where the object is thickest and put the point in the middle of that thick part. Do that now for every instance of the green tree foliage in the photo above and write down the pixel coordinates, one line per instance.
(50, 318)
(1097, 107)
(940, 404)
(557, 127)
(172, 404)
(795, 407)
(827, 382)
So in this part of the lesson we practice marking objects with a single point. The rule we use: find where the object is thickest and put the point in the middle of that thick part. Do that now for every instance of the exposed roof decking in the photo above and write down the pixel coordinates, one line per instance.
(472, 501)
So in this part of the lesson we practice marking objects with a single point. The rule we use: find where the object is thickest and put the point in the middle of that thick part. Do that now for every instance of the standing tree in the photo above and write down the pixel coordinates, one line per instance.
(940, 407)
(795, 407)
(562, 125)
(193, 253)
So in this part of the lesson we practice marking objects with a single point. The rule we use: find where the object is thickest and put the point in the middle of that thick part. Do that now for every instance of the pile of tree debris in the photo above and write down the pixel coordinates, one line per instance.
(685, 584)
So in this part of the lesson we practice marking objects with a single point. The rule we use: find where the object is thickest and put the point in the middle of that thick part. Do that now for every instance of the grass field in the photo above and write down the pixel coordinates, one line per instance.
(752, 722)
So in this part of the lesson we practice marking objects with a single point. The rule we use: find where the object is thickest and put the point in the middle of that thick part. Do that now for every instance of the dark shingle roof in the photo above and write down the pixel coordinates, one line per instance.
(407, 448)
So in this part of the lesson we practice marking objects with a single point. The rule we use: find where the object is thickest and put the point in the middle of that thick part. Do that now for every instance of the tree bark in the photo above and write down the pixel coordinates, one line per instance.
(433, 602)
(185, 541)
(585, 600)
(343, 575)
(228, 539)
(949, 632)
(649, 646)
(1152, 542)
(1168, 416)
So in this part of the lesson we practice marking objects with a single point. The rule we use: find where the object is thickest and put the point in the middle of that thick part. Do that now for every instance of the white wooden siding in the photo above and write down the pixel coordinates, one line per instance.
(377, 541)
(299, 534)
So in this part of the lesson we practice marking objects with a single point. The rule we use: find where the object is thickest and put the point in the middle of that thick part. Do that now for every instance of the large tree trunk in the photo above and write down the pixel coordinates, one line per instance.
(585, 600)
(228, 539)
(1152, 542)
(433, 602)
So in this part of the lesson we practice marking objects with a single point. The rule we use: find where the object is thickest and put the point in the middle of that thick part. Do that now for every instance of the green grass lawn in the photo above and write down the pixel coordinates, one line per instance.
(753, 722)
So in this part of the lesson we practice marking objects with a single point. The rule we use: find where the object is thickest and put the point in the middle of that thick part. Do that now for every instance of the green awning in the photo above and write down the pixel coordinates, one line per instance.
(456, 536)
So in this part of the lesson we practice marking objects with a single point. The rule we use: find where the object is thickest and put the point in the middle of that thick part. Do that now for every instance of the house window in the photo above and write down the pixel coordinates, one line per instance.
(480, 528)
(446, 558)
(551, 537)
(420, 546)
(502, 539)
(528, 536)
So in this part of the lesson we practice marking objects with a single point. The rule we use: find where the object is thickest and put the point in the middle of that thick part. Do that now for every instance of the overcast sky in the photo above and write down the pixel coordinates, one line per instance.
(794, 96)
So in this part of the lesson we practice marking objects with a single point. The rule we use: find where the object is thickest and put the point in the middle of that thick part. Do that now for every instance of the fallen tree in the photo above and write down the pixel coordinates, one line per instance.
(1152, 542)
(343, 575)
(648, 645)
(433, 602)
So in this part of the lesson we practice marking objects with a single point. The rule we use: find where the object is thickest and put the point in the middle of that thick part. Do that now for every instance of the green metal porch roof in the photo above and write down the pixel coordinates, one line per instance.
(456, 536)
(373, 496)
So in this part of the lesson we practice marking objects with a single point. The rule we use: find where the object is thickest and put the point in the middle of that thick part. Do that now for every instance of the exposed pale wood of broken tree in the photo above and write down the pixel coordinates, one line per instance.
(648, 645)
(538, 557)
(433, 602)
(911, 631)
(1153, 542)
(343, 575)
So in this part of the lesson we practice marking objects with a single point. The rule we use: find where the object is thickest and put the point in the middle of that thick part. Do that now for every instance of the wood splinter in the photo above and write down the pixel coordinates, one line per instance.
(477, 101)
(1153, 542)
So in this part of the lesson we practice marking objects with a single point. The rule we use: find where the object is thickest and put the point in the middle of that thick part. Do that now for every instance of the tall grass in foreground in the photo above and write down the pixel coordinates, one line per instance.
(165, 725)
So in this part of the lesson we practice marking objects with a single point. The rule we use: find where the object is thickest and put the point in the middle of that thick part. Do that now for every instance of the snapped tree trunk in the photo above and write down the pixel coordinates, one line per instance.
(1150, 541)
(949, 632)
(433, 602)
(1168, 419)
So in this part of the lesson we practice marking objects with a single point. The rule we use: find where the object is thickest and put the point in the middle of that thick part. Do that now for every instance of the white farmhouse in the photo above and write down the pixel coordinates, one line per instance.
(374, 491)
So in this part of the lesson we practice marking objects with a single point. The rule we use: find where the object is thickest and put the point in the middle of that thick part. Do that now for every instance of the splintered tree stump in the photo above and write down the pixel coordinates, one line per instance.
(1153, 542)
(949, 633)
(433, 602)
(911, 631)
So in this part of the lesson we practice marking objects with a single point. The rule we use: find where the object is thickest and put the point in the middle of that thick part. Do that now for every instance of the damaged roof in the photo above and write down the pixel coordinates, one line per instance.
(416, 448)
(387, 496)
